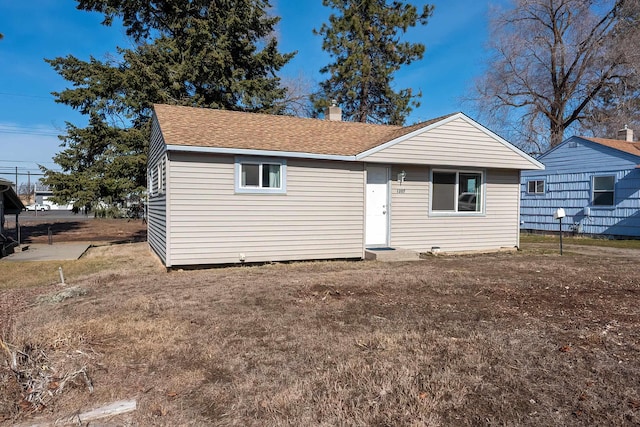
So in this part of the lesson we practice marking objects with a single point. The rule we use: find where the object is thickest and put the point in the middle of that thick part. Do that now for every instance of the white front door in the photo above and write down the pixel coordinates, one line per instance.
(377, 225)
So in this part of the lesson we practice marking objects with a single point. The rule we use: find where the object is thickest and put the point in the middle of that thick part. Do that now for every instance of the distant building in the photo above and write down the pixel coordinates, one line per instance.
(43, 196)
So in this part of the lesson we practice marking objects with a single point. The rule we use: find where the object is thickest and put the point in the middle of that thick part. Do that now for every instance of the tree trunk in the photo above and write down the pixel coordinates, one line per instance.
(557, 134)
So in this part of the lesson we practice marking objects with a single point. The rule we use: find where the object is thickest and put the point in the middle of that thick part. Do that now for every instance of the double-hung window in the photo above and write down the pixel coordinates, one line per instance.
(604, 190)
(150, 179)
(156, 178)
(456, 191)
(160, 176)
(257, 175)
(535, 186)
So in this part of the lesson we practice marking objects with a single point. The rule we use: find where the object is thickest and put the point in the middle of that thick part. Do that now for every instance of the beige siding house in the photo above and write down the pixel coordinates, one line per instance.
(230, 187)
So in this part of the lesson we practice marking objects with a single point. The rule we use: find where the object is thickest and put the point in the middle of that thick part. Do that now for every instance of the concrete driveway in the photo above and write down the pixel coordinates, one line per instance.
(44, 252)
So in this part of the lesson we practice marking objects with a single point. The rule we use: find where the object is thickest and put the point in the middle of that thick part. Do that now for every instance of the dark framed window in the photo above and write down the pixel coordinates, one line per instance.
(535, 186)
(603, 190)
(456, 191)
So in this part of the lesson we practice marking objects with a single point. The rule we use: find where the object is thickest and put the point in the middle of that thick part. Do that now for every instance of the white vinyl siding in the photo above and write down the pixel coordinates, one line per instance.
(319, 217)
(455, 144)
(412, 227)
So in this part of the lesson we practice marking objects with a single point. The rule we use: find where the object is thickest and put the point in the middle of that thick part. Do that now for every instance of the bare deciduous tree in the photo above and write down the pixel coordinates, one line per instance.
(551, 59)
(297, 99)
(618, 104)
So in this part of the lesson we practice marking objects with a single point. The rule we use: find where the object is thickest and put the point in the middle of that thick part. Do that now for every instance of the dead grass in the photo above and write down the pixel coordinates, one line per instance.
(24, 274)
(527, 238)
(524, 338)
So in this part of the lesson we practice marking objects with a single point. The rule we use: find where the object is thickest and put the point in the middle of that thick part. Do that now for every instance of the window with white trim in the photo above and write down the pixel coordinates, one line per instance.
(257, 175)
(535, 186)
(603, 190)
(150, 179)
(456, 191)
(160, 174)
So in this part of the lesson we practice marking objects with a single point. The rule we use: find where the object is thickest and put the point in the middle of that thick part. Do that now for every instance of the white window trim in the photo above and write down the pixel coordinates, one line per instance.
(544, 189)
(150, 179)
(160, 177)
(240, 160)
(483, 177)
(593, 190)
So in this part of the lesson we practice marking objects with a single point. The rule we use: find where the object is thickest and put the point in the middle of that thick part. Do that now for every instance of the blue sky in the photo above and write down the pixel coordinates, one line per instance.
(455, 38)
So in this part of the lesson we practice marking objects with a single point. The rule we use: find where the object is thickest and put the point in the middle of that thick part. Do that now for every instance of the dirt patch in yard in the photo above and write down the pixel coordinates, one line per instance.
(527, 338)
(84, 230)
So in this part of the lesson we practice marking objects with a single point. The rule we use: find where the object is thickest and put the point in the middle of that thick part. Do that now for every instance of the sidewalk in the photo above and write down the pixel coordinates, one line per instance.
(44, 252)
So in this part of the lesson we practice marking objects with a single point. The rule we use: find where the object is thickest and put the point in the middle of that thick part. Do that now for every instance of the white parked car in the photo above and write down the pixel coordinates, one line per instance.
(467, 202)
(38, 207)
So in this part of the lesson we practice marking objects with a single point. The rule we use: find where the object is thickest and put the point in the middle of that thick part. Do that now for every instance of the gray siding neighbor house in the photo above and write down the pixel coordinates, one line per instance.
(596, 181)
(230, 187)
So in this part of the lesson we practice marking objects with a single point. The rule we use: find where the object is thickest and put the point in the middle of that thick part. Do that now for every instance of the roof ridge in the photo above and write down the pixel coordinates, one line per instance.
(283, 116)
(607, 139)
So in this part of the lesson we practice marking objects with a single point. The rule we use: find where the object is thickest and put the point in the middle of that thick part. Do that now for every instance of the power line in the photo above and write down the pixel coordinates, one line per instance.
(22, 174)
(26, 96)
(26, 131)
(24, 171)
(24, 161)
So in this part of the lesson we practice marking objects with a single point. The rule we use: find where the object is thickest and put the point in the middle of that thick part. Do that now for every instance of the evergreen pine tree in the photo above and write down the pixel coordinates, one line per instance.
(217, 54)
(364, 40)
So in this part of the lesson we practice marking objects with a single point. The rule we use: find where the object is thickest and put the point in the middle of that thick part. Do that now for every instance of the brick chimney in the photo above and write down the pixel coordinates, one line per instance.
(625, 134)
(333, 113)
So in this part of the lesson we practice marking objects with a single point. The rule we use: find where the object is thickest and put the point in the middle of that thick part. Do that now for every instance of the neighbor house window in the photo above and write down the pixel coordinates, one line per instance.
(535, 187)
(456, 191)
(255, 175)
(603, 190)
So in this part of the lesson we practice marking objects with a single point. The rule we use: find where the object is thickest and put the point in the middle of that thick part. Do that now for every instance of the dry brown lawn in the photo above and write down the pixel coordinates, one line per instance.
(527, 338)
(81, 230)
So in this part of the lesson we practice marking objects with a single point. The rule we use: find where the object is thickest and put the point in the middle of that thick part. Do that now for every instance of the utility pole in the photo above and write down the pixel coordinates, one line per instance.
(16, 187)
(29, 186)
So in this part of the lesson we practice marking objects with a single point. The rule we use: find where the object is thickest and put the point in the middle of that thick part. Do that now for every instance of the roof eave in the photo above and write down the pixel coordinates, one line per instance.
(12, 203)
(254, 152)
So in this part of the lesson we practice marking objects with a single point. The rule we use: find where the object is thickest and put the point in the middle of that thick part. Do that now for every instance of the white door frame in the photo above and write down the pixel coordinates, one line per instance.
(378, 242)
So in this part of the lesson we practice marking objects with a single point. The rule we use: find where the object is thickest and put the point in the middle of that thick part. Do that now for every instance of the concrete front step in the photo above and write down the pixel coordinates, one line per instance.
(391, 254)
